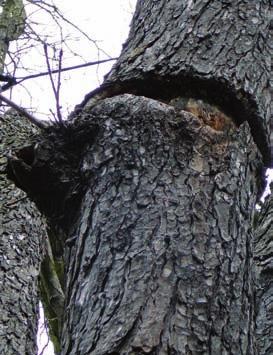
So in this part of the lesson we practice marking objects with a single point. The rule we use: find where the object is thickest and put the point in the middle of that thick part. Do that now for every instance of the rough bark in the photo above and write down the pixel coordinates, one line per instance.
(51, 287)
(159, 250)
(264, 270)
(159, 260)
(22, 233)
(220, 51)
(47, 170)
(155, 206)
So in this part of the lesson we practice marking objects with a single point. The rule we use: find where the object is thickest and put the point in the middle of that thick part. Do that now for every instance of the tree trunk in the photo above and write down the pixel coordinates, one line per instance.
(220, 51)
(165, 230)
(263, 260)
(22, 233)
(154, 184)
(161, 259)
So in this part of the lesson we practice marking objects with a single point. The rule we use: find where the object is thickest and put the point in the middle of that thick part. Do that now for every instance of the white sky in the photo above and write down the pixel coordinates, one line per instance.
(104, 21)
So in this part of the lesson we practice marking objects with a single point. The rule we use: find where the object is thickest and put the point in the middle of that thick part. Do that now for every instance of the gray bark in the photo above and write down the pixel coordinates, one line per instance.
(159, 246)
(161, 260)
(155, 205)
(264, 267)
(22, 233)
(220, 51)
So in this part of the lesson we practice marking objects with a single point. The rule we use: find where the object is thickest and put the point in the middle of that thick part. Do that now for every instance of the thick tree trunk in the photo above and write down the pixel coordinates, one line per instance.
(156, 203)
(22, 233)
(220, 51)
(165, 230)
(161, 255)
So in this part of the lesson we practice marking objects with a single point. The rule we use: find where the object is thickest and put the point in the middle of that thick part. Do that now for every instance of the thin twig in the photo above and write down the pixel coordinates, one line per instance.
(16, 81)
(23, 112)
(32, 76)
(53, 115)
(55, 13)
(56, 90)
(49, 69)
(58, 106)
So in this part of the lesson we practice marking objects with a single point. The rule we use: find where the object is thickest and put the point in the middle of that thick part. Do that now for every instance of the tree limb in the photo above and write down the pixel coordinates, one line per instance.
(19, 80)
(23, 112)
(56, 89)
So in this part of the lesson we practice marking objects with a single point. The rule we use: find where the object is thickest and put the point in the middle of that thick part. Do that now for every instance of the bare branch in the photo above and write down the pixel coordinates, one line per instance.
(58, 106)
(56, 90)
(55, 14)
(73, 67)
(23, 112)
(49, 70)
(16, 81)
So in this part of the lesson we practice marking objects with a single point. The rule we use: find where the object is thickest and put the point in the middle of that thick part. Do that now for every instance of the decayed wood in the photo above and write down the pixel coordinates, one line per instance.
(220, 51)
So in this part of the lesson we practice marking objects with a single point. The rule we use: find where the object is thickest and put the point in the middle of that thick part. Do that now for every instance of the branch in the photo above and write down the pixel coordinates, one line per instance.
(56, 90)
(58, 106)
(19, 80)
(55, 14)
(23, 112)
(55, 71)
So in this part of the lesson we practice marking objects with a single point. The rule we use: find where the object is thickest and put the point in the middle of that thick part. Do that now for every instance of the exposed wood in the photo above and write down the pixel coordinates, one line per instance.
(220, 51)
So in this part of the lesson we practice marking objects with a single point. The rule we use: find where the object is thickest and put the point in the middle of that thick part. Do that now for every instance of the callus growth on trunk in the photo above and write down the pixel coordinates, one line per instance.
(163, 245)
(220, 51)
(161, 256)
(155, 181)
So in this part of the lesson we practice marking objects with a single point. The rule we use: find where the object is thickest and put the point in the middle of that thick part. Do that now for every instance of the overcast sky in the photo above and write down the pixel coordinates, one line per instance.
(106, 22)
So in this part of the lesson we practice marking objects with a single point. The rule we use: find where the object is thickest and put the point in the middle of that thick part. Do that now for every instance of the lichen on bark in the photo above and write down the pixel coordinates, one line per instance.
(12, 24)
